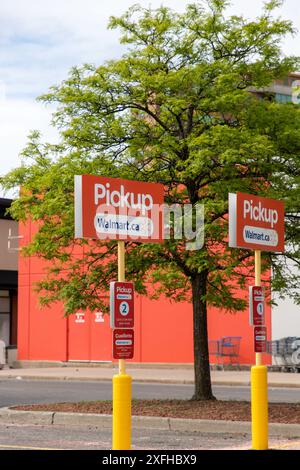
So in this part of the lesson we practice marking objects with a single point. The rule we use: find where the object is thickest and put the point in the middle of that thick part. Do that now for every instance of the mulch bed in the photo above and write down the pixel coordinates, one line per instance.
(214, 409)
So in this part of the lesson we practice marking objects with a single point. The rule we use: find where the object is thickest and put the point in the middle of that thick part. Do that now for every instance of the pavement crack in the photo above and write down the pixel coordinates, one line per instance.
(52, 417)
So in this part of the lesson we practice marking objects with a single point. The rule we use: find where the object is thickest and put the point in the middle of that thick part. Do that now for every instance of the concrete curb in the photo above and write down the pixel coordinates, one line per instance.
(8, 416)
(99, 379)
(99, 364)
(229, 383)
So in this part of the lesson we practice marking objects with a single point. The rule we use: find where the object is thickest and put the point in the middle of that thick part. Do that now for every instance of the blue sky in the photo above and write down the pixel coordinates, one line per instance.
(41, 40)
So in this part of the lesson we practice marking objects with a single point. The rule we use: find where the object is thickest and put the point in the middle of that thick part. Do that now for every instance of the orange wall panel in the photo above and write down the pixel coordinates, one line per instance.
(100, 338)
(166, 331)
(79, 336)
(47, 330)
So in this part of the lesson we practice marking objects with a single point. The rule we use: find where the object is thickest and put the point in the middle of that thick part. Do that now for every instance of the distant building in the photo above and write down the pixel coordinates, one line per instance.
(282, 91)
(8, 276)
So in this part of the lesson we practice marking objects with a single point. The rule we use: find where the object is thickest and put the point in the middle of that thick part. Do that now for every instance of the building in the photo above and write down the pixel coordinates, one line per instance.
(8, 277)
(163, 330)
(283, 91)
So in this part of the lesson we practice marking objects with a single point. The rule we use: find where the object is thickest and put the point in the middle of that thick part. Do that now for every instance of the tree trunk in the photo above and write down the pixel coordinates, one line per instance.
(203, 390)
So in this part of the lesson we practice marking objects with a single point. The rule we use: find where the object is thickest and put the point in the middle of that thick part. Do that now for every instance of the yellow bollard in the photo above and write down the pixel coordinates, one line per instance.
(259, 407)
(121, 439)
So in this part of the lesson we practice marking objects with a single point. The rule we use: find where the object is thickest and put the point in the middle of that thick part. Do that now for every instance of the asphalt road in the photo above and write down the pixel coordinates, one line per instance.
(14, 392)
(40, 437)
(51, 437)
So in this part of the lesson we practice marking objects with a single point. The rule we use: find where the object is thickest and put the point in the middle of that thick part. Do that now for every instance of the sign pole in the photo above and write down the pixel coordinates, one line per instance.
(92, 195)
(257, 261)
(121, 436)
(259, 387)
(257, 223)
(121, 278)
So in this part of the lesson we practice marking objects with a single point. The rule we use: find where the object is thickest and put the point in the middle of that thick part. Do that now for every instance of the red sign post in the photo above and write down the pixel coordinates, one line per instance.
(257, 305)
(121, 305)
(260, 339)
(123, 343)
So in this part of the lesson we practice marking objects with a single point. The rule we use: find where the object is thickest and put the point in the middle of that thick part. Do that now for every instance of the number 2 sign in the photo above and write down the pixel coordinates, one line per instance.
(121, 305)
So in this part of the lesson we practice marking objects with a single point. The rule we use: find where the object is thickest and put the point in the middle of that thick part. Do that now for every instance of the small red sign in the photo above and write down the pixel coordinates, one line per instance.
(260, 339)
(257, 305)
(121, 305)
(123, 344)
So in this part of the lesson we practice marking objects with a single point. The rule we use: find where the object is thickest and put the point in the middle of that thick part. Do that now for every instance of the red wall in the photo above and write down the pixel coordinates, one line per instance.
(163, 330)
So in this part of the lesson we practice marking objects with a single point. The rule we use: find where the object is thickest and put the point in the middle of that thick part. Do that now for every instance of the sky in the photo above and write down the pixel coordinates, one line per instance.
(41, 40)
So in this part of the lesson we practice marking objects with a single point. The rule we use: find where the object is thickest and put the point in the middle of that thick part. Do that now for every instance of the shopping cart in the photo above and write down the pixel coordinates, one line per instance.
(285, 353)
(227, 347)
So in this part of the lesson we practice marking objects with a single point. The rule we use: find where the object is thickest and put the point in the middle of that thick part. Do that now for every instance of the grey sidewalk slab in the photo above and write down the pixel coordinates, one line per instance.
(162, 375)
(8, 416)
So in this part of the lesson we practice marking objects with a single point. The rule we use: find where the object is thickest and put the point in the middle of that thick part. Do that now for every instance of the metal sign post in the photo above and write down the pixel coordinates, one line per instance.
(259, 387)
(121, 436)
(119, 209)
(257, 223)
(121, 278)
(257, 261)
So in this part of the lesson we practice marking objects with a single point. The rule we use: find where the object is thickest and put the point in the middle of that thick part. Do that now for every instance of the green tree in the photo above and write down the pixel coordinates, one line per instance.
(176, 108)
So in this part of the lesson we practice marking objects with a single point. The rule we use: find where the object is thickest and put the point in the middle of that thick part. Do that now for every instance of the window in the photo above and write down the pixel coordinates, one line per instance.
(281, 98)
(5, 316)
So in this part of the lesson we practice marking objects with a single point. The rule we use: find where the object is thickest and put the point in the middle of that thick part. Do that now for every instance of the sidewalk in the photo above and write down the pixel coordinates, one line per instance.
(172, 374)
